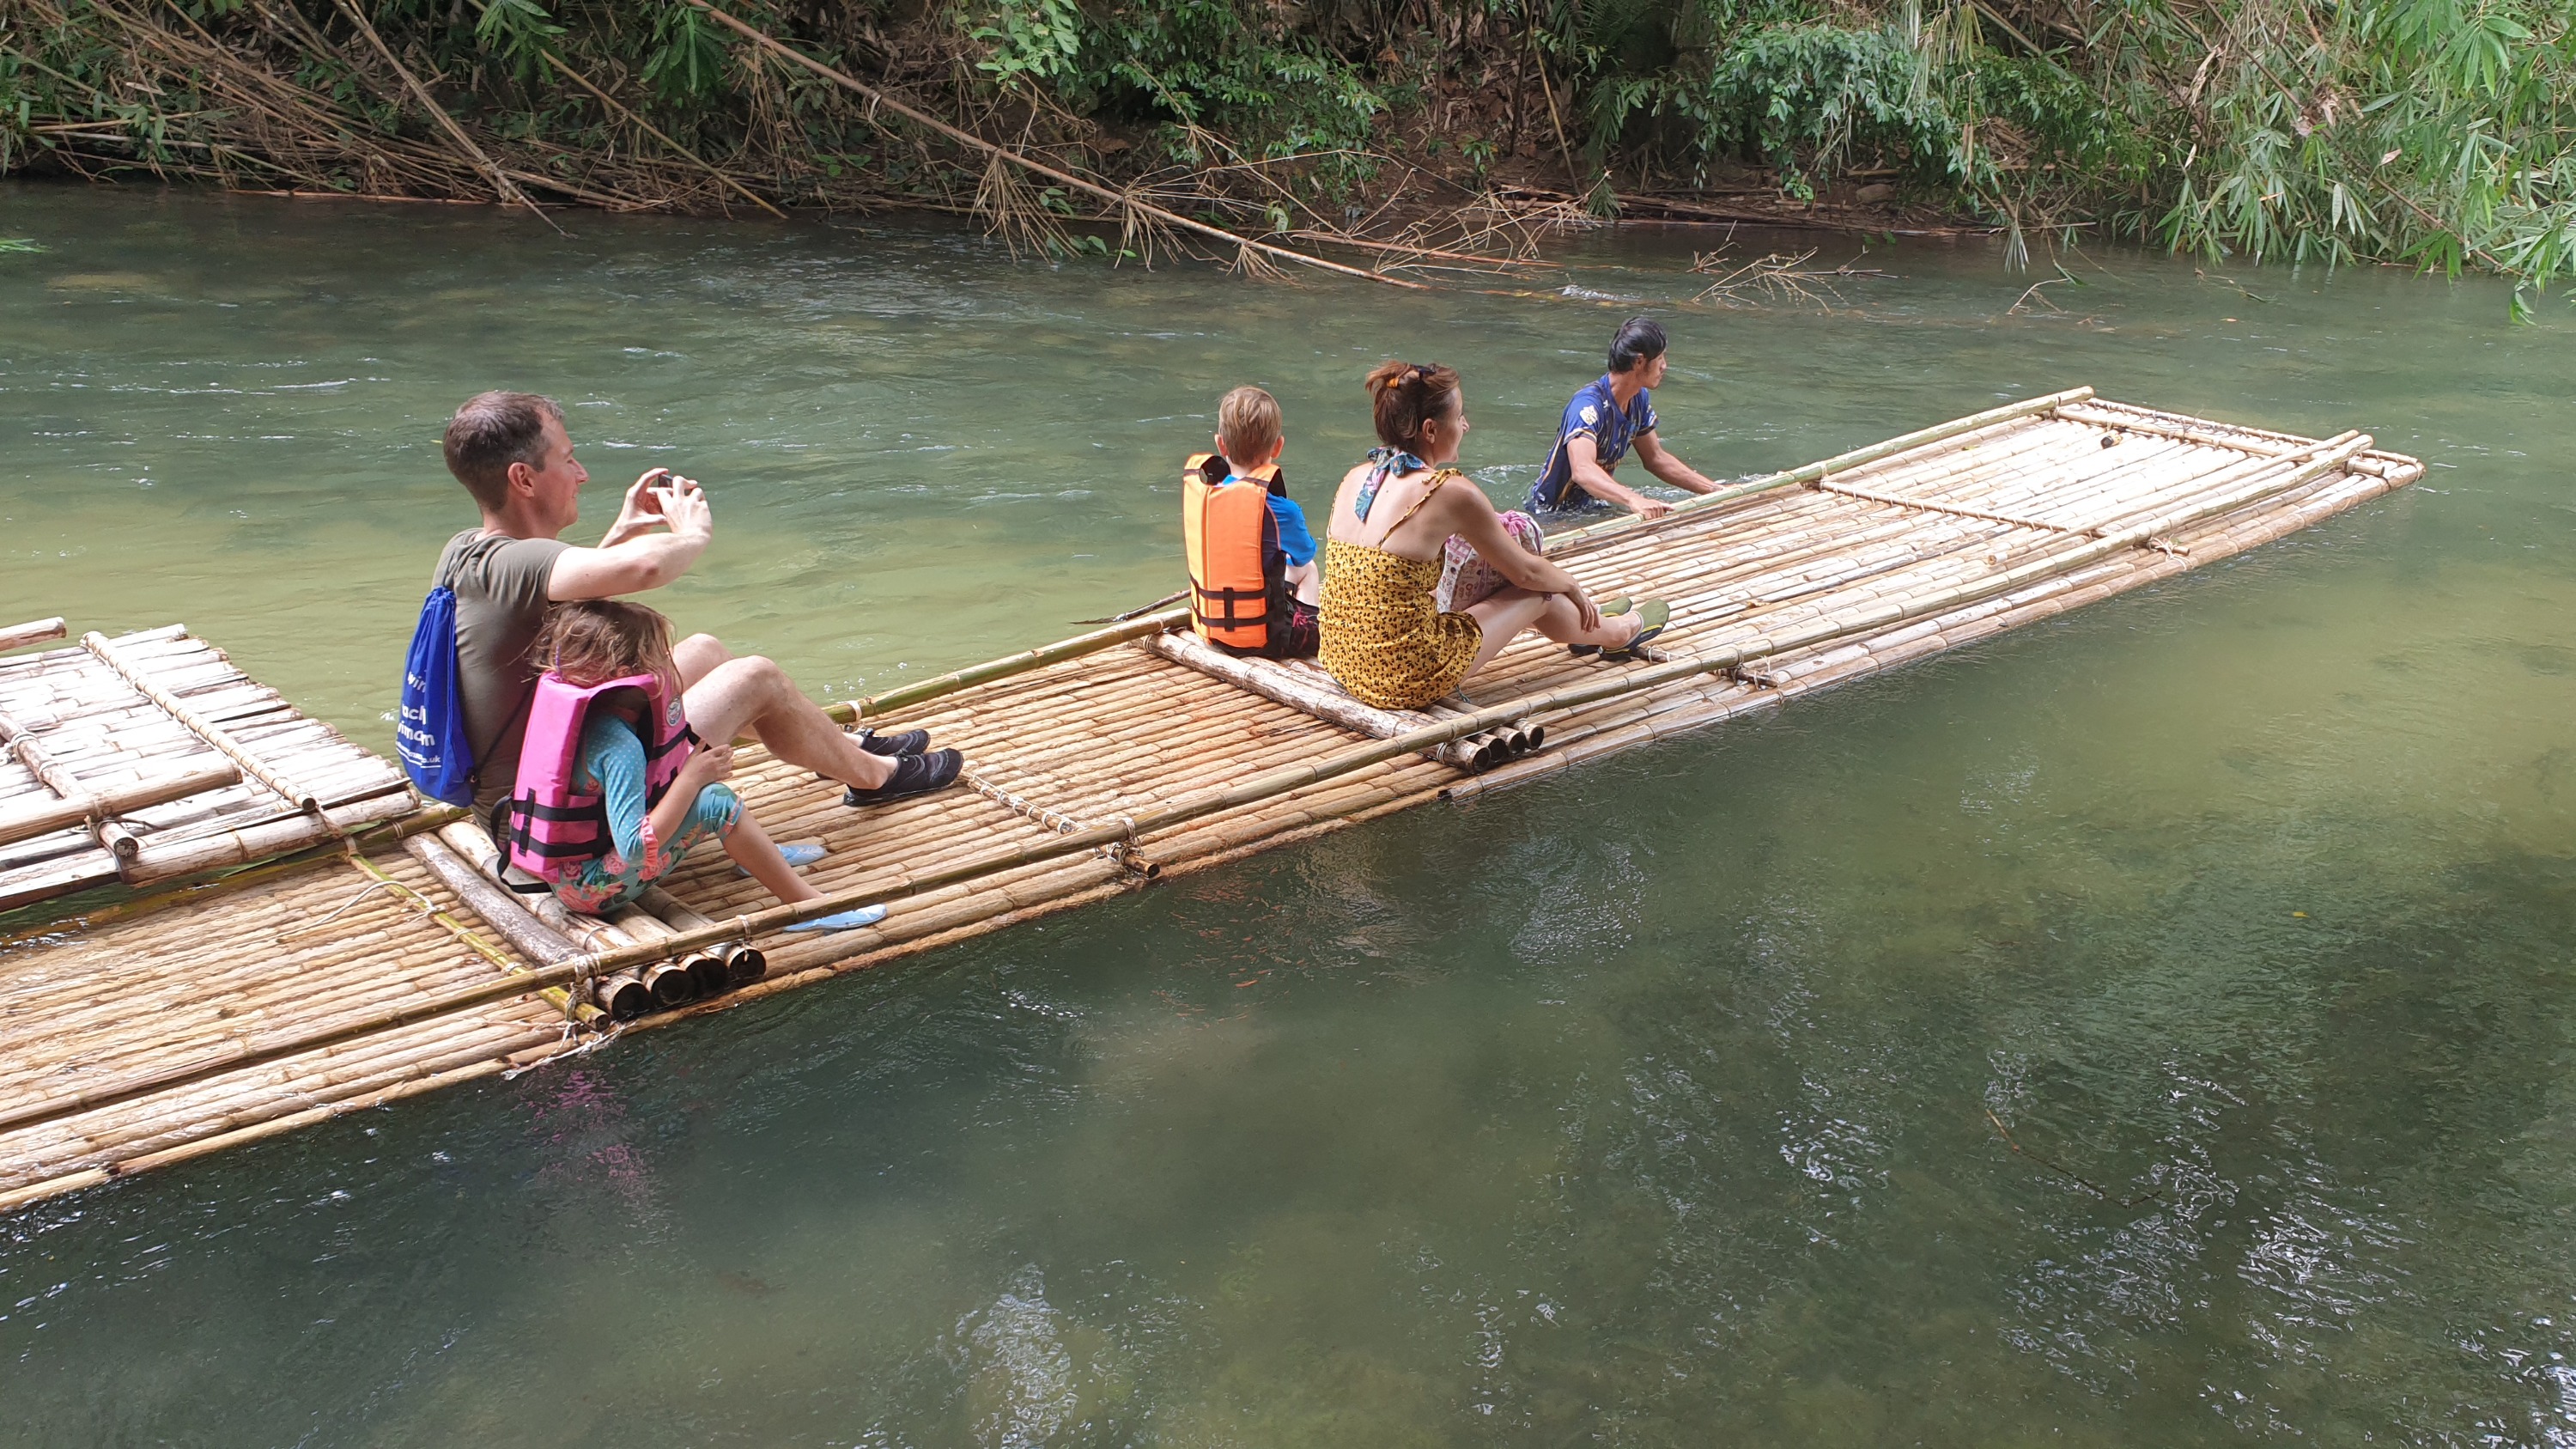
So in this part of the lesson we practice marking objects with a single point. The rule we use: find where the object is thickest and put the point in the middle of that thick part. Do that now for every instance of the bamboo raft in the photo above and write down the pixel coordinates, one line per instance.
(378, 957)
(150, 757)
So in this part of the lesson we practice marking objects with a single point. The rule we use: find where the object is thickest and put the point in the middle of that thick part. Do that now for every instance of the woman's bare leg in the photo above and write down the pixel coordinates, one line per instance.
(1508, 613)
(752, 849)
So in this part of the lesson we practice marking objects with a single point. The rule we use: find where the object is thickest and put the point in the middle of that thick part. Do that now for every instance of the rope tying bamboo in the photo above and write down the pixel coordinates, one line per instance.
(1061, 823)
(1055, 820)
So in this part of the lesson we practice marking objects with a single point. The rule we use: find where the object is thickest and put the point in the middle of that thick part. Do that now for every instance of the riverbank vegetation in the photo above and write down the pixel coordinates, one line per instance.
(2437, 133)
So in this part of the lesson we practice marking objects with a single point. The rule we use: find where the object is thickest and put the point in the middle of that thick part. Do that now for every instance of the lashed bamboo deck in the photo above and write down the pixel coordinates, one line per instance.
(222, 1018)
(128, 739)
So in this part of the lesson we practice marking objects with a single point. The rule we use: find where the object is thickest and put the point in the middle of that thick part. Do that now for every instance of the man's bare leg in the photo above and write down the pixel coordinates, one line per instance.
(731, 698)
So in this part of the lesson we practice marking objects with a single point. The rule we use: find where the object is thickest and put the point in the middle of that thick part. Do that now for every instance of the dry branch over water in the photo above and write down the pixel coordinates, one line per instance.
(1408, 133)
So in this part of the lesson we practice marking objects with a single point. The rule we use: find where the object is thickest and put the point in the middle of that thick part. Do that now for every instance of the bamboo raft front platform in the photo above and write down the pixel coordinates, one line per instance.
(150, 757)
(153, 1032)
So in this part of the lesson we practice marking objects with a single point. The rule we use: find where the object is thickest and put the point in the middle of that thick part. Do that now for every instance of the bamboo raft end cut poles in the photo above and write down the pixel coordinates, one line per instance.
(361, 971)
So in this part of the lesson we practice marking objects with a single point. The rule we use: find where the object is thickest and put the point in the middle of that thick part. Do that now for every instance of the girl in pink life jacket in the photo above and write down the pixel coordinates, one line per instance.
(599, 809)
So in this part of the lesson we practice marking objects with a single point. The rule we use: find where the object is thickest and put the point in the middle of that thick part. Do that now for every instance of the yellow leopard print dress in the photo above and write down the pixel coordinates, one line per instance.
(1383, 638)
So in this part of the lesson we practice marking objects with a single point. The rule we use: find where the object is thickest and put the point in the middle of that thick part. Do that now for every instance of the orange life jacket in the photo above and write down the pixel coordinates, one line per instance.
(1238, 576)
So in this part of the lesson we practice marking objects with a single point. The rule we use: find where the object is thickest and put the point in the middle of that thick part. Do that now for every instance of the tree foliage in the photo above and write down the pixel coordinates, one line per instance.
(2436, 132)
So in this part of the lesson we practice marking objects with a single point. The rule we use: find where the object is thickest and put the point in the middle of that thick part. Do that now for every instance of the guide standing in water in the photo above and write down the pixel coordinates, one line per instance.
(1612, 414)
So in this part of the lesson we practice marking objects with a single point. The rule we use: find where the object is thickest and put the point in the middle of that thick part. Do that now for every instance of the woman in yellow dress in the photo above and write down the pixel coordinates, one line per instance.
(1384, 637)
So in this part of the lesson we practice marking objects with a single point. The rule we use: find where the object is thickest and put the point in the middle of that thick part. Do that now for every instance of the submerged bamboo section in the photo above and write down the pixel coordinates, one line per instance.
(1098, 762)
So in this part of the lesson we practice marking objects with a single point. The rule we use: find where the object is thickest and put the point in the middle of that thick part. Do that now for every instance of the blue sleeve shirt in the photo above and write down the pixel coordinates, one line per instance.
(1592, 413)
(612, 755)
(1296, 541)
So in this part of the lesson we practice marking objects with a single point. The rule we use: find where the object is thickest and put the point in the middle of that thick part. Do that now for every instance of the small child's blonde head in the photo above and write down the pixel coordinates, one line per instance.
(1247, 422)
(597, 640)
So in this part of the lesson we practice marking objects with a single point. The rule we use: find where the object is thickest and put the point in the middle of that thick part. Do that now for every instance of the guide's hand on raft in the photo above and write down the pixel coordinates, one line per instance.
(1652, 508)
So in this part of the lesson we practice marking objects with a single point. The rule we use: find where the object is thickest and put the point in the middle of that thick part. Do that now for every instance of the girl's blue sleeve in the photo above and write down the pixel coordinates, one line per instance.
(612, 754)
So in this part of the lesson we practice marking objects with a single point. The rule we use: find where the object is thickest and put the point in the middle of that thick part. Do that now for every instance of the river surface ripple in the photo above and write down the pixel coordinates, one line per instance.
(1653, 1105)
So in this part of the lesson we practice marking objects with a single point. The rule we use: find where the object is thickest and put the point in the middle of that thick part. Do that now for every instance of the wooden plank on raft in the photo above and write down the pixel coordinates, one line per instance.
(1800, 588)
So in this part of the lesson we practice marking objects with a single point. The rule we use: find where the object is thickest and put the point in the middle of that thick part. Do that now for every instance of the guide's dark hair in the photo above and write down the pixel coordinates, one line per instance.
(1640, 339)
(1408, 395)
(492, 431)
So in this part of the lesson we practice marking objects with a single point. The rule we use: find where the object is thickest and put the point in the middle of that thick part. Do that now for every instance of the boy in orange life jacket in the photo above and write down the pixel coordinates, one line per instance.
(1254, 580)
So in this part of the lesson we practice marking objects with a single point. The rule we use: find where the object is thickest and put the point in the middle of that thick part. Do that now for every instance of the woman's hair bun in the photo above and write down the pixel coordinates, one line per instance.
(1408, 395)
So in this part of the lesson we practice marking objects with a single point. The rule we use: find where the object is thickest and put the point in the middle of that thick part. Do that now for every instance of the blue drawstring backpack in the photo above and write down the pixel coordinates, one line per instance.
(429, 733)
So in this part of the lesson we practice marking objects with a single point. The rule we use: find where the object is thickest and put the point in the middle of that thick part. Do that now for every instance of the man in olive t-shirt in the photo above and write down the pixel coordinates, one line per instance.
(500, 585)
(511, 452)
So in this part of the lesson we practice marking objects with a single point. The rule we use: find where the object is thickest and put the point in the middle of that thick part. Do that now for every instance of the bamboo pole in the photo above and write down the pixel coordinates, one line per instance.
(19, 636)
(76, 804)
(494, 908)
(704, 967)
(2266, 480)
(178, 891)
(1332, 706)
(1622, 529)
(27, 822)
(744, 963)
(971, 141)
(236, 845)
(197, 724)
(623, 994)
(514, 923)
(849, 711)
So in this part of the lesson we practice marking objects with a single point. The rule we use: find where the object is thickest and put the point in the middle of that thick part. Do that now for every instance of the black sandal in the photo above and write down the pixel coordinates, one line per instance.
(913, 775)
(910, 742)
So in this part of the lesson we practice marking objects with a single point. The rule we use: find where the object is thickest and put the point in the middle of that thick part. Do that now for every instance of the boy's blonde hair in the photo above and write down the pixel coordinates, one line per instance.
(1247, 419)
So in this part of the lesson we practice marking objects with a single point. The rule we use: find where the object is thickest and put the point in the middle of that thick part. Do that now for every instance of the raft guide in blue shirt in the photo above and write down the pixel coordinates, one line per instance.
(1595, 413)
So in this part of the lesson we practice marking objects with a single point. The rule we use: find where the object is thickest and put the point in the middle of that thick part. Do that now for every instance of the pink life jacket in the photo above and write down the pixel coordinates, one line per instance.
(553, 828)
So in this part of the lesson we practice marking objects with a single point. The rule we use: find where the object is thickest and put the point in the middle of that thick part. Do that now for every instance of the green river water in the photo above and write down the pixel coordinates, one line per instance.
(1648, 1106)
